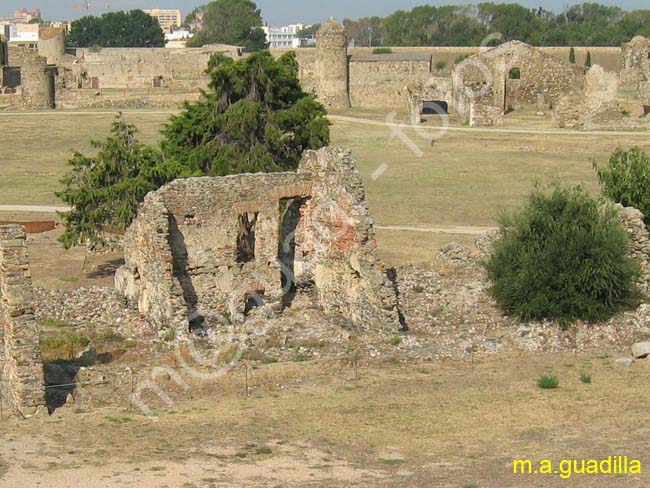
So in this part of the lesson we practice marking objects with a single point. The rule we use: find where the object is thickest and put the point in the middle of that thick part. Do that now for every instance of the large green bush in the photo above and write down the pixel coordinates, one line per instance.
(626, 178)
(563, 256)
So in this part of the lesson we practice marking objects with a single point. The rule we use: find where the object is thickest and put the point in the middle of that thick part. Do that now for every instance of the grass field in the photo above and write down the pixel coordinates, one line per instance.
(466, 178)
(439, 424)
(401, 422)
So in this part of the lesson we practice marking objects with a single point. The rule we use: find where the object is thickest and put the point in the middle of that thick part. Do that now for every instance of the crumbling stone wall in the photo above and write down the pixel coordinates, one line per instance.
(201, 246)
(138, 67)
(37, 87)
(595, 106)
(20, 357)
(635, 61)
(51, 44)
(378, 80)
(332, 65)
(512, 76)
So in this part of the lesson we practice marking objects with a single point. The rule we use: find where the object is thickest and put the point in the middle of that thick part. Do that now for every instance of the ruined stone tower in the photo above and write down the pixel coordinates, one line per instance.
(37, 82)
(332, 65)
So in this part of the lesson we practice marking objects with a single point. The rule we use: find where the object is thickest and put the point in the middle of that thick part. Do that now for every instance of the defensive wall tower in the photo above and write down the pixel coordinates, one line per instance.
(51, 44)
(332, 65)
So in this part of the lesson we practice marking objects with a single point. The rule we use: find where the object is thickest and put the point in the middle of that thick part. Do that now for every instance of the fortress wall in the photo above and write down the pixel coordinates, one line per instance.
(381, 83)
(137, 68)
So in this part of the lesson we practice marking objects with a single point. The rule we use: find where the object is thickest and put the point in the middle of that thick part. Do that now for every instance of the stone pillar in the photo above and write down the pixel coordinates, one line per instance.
(332, 65)
(23, 378)
(499, 82)
(415, 103)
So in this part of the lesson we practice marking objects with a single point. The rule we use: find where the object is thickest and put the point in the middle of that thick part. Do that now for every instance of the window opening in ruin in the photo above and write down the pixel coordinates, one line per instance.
(11, 76)
(290, 215)
(515, 74)
(246, 237)
(435, 107)
(253, 300)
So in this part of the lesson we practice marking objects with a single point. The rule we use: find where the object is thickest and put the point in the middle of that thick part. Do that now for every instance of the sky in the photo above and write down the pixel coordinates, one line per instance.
(279, 12)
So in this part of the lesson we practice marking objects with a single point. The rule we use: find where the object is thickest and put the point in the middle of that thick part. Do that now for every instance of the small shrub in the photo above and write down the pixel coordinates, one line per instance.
(440, 65)
(55, 324)
(382, 50)
(395, 341)
(418, 289)
(563, 257)
(392, 462)
(460, 58)
(585, 378)
(515, 74)
(626, 178)
(62, 347)
(548, 382)
(119, 420)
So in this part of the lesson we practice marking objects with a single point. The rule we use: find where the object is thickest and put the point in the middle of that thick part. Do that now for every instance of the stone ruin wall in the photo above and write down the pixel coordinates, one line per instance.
(139, 67)
(184, 258)
(37, 89)
(20, 357)
(484, 87)
(380, 80)
(635, 61)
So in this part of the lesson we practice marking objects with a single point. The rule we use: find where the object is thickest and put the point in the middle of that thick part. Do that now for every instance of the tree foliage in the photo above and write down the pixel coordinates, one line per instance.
(587, 24)
(626, 179)
(235, 22)
(563, 257)
(105, 190)
(255, 118)
(117, 29)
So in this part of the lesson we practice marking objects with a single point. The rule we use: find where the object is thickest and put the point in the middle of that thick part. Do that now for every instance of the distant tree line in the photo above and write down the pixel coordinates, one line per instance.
(588, 24)
(116, 29)
(234, 22)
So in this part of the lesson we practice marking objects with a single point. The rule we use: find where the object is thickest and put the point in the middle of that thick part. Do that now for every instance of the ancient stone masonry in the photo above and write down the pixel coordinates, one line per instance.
(332, 65)
(635, 62)
(379, 80)
(35, 79)
(146, 67)
(20, 357)
(511, 76)
(226, 245)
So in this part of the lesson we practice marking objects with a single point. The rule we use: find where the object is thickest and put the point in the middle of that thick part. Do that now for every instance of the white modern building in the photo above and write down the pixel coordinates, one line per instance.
(23, 33)
(169, 19)
(178, 38)
(285, 36)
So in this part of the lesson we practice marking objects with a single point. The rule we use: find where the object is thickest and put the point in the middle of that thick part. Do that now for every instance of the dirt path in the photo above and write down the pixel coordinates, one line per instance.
(495, 130)
(456, 229)
(33, 208)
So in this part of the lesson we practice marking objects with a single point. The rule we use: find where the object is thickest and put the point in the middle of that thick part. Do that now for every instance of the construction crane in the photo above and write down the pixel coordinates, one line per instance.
(88, 6)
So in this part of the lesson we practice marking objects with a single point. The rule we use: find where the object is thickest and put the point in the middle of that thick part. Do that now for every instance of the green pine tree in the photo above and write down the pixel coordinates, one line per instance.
(256, 117)
(588, 60)
(572, 56)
